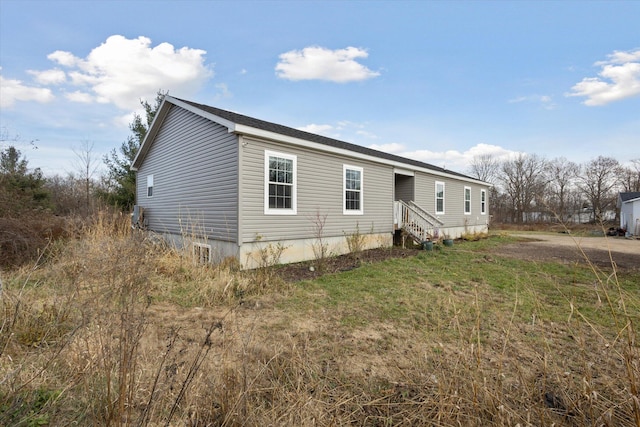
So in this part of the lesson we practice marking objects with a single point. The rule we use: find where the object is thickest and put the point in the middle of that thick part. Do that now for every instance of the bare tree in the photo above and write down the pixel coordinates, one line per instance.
(67, 194)
(523, 181)
(561, 176)
(597, 181)
(629, 177)
(87, 165)
(485, 167)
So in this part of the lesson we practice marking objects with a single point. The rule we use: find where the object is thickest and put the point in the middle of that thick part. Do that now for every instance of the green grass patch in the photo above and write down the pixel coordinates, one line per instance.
(403, 289)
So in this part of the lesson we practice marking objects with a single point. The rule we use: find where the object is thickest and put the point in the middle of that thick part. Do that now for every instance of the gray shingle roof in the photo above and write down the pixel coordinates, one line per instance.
(296, 133)
(629, 196)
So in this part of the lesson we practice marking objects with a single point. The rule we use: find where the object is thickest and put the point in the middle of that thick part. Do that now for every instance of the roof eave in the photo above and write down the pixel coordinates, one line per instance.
(153, 130)
(273, 136)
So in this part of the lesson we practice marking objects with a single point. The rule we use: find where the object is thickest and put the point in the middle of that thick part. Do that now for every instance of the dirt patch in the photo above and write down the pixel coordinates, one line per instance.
(313, 269)
(600, 251)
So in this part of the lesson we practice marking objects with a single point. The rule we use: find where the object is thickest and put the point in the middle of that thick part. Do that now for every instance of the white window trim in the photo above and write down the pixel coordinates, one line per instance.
(150, 185)
(294, 188)
(483, 202)
(346, 211)
(464, 207)
(444, 195)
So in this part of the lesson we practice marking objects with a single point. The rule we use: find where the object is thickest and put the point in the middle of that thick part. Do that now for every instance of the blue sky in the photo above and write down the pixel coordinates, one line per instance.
(436, 81)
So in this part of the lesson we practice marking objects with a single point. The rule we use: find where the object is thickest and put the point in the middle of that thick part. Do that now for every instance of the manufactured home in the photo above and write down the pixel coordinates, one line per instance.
(229, 185)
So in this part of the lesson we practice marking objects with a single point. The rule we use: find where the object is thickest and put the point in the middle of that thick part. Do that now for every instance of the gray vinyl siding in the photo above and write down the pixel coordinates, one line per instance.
(319, 193)
(194, 163)
(454, 215)
(404, 187)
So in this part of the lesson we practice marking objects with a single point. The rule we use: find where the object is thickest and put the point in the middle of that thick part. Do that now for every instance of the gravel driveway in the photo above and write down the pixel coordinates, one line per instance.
(613, 244)
(601, 251)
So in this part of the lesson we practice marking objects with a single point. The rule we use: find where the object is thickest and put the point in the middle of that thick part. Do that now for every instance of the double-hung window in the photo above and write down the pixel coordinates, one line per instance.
(352, 193)
(467, 200)
(483, 202)
(280, 183)
(439, 198)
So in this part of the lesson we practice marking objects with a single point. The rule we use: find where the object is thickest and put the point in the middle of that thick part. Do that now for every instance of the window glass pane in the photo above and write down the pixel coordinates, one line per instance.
(352, 185)
(467, 200)
(439, 197)
(280, 183)
(483, 199)
(353, 179)
(352, 200)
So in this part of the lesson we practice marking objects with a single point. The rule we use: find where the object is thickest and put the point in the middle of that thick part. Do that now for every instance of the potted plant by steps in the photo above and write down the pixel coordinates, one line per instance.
(447, 240)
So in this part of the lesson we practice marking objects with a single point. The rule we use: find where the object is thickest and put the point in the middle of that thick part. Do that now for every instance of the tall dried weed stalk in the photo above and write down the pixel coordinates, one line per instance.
(74, 334)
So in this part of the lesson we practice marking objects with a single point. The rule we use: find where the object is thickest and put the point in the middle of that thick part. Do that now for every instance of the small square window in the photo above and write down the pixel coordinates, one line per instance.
(201, 253)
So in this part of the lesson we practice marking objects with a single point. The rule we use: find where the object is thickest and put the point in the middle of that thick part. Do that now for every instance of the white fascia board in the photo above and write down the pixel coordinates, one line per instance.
(403, 172)
(273, 136)
(632, 200)
(195, 110)
(151, 133)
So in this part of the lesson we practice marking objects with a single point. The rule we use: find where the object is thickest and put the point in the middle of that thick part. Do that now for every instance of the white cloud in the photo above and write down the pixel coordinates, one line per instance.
(49, 77)
(317, 129)
(319, 63)
(79, 96)
(222, 91)
(342, 129)
(367, 134)
(545, 101)
(14, 90)
(618, 57)
(66, 59)
(499, 153)
(123, 71)
(455, 160)
(124, 120)
(619, 79)
(392, 148)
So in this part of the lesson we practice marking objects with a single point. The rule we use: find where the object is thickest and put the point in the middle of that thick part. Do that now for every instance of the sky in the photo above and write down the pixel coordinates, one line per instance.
(437, 81)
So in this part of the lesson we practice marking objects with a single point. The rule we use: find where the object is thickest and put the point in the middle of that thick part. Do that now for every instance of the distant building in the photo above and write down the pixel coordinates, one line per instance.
(629, 206)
